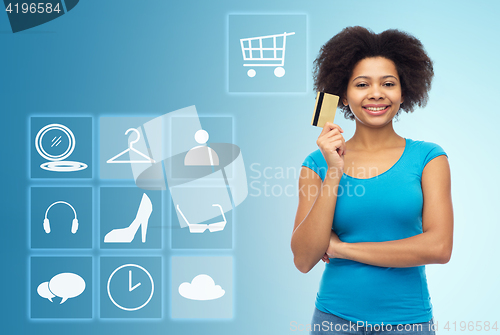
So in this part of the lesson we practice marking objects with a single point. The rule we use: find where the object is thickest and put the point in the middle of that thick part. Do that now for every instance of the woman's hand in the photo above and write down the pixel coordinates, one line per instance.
(335, 243)
(333, 247)
(332, 145)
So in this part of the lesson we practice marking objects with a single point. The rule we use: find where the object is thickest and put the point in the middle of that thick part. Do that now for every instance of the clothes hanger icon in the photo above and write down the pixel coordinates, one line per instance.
(131, 148)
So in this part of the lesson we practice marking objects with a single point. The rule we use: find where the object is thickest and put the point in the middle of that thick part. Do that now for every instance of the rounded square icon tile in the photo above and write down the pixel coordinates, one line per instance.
(61, 147)
(61, 287)
(121, 146)
(202, 288)
(131, 287)
(267, 53)
(130, 218)
(61, 217)
(213, 233)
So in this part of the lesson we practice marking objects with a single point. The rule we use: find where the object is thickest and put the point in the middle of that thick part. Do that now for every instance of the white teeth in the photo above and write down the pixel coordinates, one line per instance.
(376, 108)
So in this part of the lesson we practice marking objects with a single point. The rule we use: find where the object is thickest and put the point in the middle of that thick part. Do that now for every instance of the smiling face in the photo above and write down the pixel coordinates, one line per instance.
(374, 91)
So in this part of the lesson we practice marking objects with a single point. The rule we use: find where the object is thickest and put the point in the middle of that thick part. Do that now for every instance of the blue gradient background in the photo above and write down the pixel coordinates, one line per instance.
(142, 58)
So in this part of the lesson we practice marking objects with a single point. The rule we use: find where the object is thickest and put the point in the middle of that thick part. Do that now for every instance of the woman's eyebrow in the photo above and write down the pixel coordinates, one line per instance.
(389, 76)
(383, 77)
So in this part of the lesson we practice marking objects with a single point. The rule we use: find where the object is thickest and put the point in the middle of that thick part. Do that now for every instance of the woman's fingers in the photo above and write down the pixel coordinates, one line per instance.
(339, 142)
(331, 135)
(331, 138)
(325, 258)
(329, 126)
(332, 132)
(342, 147)
(335, 146)
(332, 144)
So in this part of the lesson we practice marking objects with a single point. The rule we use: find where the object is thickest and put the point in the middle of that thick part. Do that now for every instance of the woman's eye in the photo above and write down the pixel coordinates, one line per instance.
(361, 85)
(389, 84)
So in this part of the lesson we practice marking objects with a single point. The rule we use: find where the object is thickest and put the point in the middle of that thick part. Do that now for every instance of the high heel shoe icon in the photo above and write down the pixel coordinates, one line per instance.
(126, 235)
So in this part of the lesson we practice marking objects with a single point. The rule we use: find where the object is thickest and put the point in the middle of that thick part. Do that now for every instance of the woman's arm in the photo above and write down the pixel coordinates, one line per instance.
(317, 200)
(433, 246)
(313, 221)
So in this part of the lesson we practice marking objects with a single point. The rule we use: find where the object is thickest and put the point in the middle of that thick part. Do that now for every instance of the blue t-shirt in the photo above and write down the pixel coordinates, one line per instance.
(383, 208)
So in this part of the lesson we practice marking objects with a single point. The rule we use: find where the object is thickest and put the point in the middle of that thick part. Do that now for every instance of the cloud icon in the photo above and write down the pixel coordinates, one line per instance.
(64, 285)
(202, 287)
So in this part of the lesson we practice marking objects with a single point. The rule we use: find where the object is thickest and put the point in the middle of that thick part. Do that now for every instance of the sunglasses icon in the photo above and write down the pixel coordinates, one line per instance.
(201, 227)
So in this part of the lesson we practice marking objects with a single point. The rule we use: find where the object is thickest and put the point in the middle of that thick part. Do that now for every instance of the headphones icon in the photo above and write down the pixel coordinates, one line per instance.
(46, 223)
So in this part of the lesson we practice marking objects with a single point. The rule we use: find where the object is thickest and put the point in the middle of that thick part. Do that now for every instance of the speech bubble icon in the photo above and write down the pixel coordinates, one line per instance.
(44, 292)
(67, 285)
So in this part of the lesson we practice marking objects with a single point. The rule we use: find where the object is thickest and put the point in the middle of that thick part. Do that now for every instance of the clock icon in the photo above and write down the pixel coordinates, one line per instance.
(137, 276)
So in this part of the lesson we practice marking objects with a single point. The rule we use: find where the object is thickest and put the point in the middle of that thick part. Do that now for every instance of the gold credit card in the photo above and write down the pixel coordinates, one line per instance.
(325, 108)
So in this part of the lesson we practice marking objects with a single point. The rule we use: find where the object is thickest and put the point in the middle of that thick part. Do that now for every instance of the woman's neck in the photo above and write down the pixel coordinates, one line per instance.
(367, 138)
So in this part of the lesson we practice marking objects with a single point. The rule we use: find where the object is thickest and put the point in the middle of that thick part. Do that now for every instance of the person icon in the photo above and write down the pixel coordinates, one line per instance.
(201, 155)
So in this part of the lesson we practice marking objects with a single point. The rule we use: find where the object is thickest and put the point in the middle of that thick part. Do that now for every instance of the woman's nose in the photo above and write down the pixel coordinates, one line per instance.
(376, 92)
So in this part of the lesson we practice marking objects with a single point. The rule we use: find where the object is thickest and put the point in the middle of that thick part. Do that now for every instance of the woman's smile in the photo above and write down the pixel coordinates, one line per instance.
(376, 109)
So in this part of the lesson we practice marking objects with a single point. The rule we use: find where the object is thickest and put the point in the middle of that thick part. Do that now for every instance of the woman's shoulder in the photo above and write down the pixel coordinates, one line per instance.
(425, 150)
(424, 146)
(316, 162)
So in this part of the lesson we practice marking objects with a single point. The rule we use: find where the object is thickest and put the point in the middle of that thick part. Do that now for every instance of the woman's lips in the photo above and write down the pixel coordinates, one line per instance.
(375, 110)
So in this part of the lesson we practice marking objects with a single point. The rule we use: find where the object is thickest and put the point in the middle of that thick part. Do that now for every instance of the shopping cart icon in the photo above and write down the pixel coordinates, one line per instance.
(265, 51)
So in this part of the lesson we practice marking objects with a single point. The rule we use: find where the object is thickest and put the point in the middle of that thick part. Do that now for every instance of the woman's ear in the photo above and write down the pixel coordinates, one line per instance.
(344, 101)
